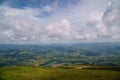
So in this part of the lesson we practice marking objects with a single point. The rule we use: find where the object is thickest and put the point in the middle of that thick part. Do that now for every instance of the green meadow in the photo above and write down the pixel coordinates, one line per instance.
(59, 73)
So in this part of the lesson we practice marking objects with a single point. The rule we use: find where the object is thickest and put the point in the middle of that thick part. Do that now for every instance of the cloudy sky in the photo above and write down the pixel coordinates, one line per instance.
(47, 21)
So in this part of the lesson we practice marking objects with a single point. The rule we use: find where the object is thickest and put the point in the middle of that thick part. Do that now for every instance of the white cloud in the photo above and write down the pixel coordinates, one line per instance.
(112, 19)
(22, 23)
(60, 29)
(27, 25)
(21, 12)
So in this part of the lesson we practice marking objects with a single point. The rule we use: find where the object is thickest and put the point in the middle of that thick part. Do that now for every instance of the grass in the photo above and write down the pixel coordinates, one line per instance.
(41, 73)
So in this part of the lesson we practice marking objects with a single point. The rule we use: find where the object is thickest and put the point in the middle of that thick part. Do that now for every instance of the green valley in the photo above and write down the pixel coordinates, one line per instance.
(106, 54)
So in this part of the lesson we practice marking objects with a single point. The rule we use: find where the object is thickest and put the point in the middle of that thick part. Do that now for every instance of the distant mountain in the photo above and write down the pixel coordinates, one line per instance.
(107, 54)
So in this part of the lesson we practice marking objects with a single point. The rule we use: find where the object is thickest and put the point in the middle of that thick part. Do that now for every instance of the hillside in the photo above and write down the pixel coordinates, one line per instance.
(60, 73)
(85, 61)
(106, 54)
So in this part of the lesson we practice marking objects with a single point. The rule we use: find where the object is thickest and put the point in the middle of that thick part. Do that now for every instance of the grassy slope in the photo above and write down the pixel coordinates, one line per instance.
(38, 73)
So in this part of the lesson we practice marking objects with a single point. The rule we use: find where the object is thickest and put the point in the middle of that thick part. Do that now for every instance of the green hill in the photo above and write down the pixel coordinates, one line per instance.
(59, 73)
(105, 54)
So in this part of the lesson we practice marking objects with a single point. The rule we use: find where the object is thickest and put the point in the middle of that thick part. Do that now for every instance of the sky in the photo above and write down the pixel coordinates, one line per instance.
(59, 21)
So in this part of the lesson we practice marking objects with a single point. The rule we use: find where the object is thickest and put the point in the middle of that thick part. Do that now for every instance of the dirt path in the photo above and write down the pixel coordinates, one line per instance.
(81, 67)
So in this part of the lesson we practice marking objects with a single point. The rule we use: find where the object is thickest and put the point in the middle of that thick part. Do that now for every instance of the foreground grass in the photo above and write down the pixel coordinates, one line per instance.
(39, 73)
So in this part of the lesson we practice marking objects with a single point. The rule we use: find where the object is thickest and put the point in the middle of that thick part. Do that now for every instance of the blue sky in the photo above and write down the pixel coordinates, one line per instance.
(41, 3)
(47, 21)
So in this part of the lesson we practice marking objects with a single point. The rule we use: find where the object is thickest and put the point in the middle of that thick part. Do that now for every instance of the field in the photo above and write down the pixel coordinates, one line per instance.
(59, 73)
